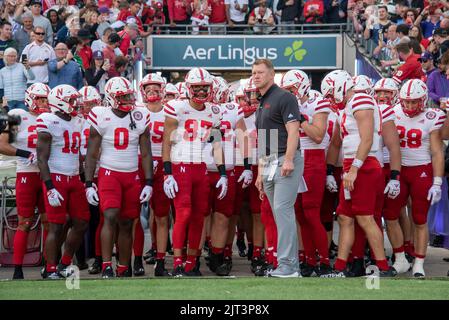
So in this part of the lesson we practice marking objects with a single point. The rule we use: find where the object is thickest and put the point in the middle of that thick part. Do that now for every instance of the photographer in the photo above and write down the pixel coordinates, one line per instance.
(13, 80)
(261, 19)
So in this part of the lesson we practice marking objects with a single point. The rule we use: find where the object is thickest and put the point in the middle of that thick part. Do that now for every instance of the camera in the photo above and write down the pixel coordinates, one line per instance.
(10, 122)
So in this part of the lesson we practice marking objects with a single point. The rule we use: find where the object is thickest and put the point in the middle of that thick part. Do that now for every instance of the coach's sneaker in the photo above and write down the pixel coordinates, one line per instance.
(178, 272)
(401, 265)
(138, 267)
(418, 268)
(307, 270)
(107, 273)
(241, 246)
(159, 269)
(324, 270)
(95, 268)
(18, 273)
(357, 269)
(283, 271)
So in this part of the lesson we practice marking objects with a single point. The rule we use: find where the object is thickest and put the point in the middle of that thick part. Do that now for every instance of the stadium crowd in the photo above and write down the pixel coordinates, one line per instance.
(70, 60)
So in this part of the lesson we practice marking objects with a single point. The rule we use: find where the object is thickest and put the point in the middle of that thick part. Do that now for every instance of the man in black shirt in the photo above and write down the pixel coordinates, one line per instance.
(280, 162)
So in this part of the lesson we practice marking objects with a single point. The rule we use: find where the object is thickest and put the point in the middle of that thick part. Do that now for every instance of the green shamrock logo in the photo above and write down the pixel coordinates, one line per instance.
(295, 51)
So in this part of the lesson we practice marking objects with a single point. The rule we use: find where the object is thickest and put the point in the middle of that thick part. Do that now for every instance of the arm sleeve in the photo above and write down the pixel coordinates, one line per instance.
(289, 108)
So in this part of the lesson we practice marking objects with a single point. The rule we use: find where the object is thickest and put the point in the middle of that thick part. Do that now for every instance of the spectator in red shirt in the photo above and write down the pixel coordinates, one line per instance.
(179, 13)
(133, 11)
(411, 69)
(153, 16)
(217, 16)
(109, 54)
(85, 53)
(127, 35)
(314, 11)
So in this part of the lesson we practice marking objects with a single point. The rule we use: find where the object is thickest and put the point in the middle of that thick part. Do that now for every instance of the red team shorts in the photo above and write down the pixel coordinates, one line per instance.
(225, 205)
(315, 178)
(330, 199)
(74, 204)
(193, 186)
(415, 183)
(120, 190)
(368, 189)
(159, 201)
(29, 194)
(250, 194)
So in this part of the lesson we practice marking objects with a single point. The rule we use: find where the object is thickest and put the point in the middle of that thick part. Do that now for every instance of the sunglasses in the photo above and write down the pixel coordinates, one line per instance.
(40, 33)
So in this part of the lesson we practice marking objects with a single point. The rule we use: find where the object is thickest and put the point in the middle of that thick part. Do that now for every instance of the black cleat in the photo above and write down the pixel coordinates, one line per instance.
(18, 273)
(324, 270)
(44, 273)
(357, 269)
(64, 270)
(249, 255)
(139, 270)
(95, 268)
(390, 273)
(228, 261)
(178, 272)
(108, 273)
(307, 270)
(82, 266)
(335, 274)
(126, 274)
(261, 269)
(241, 247)
(150, 253)
(196, 269)
(150, 257)
(215, 260)
(159, 269)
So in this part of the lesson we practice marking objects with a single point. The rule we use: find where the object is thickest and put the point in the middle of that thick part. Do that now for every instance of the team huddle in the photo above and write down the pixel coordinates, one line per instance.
(190, 151)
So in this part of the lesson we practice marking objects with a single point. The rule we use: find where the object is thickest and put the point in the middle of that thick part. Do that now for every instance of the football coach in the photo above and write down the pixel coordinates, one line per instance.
(280, 162)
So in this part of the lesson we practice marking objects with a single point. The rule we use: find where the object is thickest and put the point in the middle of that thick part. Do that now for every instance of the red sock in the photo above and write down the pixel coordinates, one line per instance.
(398, 250)
(177, 261)
(20, 246)
(382, 264)
(190, 263)
(340, 265)
(216, 250)
(98, 236)
(138, 240)
(420, 256)
(106, 264)
(408, 248)
(121, 269)
(50, 267)
(160, 255)
(66, 260)
(256, 251)
(228, 250)
(309, 251)
(358, 248)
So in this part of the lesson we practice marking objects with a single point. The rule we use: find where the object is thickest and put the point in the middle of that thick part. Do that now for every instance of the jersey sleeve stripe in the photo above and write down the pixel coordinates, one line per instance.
(93, 114)
(442, 117)
(363, 103)
(39, 120)
(387, 110)
(167, 106)
(397, 80)
(362, 96)
(439, 123)
(321, 108)
(41, 126)
(170, 113)
(92, 120)
(387, 115)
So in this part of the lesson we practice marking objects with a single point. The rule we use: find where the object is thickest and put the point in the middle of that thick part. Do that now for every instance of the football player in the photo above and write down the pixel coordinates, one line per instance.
(360, 127)
(119, 131)
(422, 162)
(313, 144)
(171, 92)
(29, 194)
(58, 152)
(189, 125)
(152, 88)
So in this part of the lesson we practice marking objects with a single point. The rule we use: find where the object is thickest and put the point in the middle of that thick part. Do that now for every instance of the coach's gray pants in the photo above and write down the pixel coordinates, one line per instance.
(282, 193)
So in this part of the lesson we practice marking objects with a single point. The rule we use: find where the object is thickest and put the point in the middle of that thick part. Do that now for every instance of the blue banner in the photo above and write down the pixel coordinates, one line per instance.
(240, 52)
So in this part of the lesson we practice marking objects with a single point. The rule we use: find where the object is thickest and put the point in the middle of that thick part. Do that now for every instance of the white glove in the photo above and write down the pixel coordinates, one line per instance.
(170, 186)
(434, 194)
(53, 197)
(155, 163)
(393, 188)
(247, 177)
(32, 159)
(223, 183)
(146, 194)
(331, 184)
(92, 195)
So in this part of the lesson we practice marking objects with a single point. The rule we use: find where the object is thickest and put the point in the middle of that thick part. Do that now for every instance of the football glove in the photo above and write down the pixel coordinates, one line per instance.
(32, 159)
(223, 184)
(92, 195)
(331, 184)
(434, 194)
(146, 193)
(54, 197)
(393, 188)
(246, 177)
(170, 186)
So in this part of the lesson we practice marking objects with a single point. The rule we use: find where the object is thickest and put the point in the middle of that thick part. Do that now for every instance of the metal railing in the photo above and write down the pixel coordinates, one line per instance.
(224, 29)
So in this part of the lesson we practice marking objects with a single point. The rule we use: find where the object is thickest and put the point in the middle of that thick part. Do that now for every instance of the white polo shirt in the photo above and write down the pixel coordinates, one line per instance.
(36, 52)
(236, 15)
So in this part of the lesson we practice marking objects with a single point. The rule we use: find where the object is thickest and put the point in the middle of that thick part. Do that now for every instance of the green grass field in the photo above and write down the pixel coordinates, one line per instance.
(228, 289)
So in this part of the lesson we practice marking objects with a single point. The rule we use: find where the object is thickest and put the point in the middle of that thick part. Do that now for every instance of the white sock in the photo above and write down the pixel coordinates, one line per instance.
(400, 256)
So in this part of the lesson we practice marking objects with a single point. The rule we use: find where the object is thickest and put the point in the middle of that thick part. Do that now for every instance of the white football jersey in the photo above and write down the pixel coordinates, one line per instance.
(156, 132)
(84, 137)
(193, 132)
(251, 132)
(414, 135)
(348, 124)
(65, 143)
(26, 138)
(387, 114)
(120, 143)
(311, 107)
(231, 114)
(332, 123)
